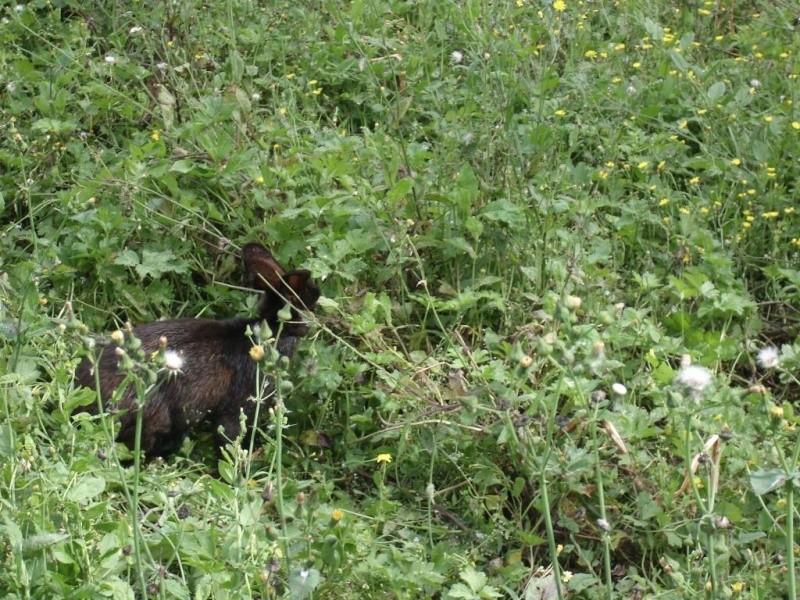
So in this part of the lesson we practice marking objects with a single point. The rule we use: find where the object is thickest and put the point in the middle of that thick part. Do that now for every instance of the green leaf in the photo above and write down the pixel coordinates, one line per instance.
(237, 66)
(474, 579)
(6, 440)
(152, 264)
(87, 488)
(303, 582)
(716, 91)
(127, 258)
(504, 211)
(459, 590)
(400, 189)
(582, 581)
(53, 126)
(183, 165)
(764, 481)
(166, 101)
(35, 543)
(653, 29)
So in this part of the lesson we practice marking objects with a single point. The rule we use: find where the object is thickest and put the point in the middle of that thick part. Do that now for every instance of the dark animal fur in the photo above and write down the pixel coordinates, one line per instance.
(218, 376)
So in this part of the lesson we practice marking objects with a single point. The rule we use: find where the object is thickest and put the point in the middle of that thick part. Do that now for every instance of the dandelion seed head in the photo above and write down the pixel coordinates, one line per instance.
(456, 57)
(768, 357)
(173, 361)
(694, 379)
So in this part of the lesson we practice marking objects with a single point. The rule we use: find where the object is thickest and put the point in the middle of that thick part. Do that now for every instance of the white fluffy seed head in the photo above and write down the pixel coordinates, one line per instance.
(173, 361)
(768, 357)
(694, 379)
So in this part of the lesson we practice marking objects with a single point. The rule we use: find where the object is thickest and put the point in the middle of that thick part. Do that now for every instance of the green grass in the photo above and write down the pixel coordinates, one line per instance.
(525, 217)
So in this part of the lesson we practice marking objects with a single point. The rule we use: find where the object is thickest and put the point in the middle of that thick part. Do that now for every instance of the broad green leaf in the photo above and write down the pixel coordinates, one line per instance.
(166, 101)
(474, 579)
(35, 543)
(86, 488)
(302, 583)
(716, 91)
(764, 481)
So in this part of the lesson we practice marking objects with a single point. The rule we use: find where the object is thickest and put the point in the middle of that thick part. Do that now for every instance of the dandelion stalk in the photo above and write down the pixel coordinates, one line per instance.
(792, 583)
(137, 466)
(602, 501)
(790, 510)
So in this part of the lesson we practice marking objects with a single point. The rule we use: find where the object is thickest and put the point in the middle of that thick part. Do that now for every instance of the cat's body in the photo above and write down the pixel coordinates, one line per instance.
(211, 375)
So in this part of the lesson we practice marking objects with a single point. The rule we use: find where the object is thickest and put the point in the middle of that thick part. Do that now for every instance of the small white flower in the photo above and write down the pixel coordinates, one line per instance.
(604, 525)
(11, 87)
(619, 389)
(755, 83)
(486, 56)
(110, 59)
(573, 302)
(19, 8)
(631, 90)
(695, 379)
(456, 57)
(173, 361)
(256, 97)
(768, 357)
(162, 66)
(134, 30)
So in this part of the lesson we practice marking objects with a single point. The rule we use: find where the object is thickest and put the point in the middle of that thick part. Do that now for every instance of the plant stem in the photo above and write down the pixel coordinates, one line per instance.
(279, 413)
(602, 501)
(790, 508)
(137, 447)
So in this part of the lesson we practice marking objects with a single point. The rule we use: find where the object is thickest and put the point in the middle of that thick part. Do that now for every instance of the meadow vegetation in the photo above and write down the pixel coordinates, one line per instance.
(559, 246)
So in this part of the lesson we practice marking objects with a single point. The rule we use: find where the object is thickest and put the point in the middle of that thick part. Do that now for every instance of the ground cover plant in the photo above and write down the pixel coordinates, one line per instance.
(559, 249)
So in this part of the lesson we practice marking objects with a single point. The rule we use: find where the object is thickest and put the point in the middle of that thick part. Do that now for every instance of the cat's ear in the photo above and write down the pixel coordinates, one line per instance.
(262, 271)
